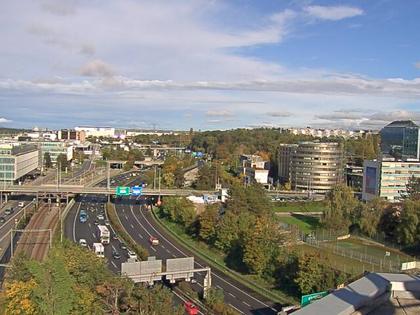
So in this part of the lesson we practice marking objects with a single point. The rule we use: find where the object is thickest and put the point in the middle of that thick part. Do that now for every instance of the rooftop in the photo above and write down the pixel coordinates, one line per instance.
(401, 124)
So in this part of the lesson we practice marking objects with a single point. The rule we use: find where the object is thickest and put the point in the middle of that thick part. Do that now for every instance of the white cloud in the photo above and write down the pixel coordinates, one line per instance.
(279, 114)
(4, 120)
(97, 68)
(219, 113)
(333, 13)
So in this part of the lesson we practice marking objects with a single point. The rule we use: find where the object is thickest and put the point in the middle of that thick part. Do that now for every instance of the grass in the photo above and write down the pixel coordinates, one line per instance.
(305, 223)
(309, 206)
(214, 257)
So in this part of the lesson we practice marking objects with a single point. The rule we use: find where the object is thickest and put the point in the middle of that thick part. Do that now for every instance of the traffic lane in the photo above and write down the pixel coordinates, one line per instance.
(250, 302)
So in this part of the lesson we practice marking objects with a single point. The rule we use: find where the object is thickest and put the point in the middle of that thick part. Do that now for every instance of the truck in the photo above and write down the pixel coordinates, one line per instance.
(103, 234)
(83, 216)
(98, 248)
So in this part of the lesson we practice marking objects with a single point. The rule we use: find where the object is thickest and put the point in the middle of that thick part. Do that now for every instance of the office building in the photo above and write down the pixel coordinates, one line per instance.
(317, 166)
(97, 131)
(55, 148)
(69, 134)
(284, 157)
(16, 161)
(254, 168)
(388, 179)
(400, 140)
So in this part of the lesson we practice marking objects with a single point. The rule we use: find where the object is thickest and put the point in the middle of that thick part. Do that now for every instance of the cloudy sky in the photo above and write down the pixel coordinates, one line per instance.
(209, 64)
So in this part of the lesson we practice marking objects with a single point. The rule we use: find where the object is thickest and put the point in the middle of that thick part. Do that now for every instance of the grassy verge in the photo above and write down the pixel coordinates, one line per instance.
(141, 252)
(305, 223)
(216, 260)
(309, 206)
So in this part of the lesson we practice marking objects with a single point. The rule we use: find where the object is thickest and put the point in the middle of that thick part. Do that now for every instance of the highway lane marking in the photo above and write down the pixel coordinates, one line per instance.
(163, 247)
(126, 217)
(235, 308)
(113, 248)
(74, 222)
(152, 248)
(215, 275)
(219, 287)
(94, 236)
(141, 236)
(246, 303)
(90, 225)
(231, 295)
(138, 221)
(132, 226)
(114, 264)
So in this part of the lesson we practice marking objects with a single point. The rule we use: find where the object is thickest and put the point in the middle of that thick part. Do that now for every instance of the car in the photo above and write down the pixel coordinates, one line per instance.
(21, 204)
(96, 222)
(107, 222)
(8, 211)
(115, 236)
(191, 308)
(123, 246)
(193, 281)
(2, 220)
(100, 216)
(131, 254)
(82, 242)
(153, 240)
(116, 255)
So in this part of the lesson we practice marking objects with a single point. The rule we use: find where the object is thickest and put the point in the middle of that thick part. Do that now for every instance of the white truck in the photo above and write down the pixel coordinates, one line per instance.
(103, 234)
(98, 248)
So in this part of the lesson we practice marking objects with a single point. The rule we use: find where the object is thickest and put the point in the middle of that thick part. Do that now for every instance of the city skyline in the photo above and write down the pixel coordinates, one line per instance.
(209, 64)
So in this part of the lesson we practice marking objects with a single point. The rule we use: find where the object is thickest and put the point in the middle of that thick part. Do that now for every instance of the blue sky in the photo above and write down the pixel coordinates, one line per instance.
(209, 64)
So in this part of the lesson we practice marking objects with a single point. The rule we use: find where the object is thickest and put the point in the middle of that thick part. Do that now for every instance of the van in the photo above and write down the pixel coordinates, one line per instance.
(21, 204)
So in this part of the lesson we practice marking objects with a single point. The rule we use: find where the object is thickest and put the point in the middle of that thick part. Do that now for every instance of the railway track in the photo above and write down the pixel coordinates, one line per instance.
(35, 244)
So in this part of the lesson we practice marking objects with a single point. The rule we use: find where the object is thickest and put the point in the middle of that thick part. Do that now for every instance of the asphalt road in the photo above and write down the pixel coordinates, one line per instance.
(140, 225)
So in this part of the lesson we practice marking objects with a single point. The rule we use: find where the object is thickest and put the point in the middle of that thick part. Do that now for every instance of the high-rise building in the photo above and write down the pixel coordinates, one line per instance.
(68, 134)
(284, 157)
(317, 166)
(400, 140)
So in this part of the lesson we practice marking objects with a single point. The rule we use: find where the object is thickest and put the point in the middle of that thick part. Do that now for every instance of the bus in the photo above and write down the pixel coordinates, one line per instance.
(83, 216)
(103, 234)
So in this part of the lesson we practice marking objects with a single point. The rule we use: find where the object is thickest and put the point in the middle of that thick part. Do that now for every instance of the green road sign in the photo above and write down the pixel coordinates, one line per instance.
(122, 191)
(306, 299)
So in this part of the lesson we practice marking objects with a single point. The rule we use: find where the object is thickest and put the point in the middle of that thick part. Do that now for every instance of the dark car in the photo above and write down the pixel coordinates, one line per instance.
(2, 220)
(116, 255)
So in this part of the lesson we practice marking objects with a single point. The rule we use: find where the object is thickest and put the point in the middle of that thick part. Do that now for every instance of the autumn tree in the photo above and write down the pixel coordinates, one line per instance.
(207, 222)
(47, 160)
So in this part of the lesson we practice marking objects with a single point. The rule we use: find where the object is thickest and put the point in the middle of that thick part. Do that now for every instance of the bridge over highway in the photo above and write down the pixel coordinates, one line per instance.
(78, 189)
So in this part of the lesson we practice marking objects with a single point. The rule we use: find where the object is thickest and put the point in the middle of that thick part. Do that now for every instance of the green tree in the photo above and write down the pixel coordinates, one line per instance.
(310, 275)
(62, 162)
(207, 222)
(47, 160)
(408, 227)
(413, 188)
(341, 210)
(370, 216)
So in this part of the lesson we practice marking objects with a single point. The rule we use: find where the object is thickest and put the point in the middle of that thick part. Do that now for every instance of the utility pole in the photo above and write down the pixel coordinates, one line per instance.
(159, 189)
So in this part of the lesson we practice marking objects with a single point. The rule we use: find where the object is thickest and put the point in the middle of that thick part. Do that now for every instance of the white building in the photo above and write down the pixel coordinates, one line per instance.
(254, 168)
(97, 131)
(17, 160)
(387, 179)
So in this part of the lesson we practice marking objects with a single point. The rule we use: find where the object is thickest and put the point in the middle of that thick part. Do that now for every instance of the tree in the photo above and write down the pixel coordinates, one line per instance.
(370, 216)
(207, 222)
(341, 210)
(62, 162)
(309, 276)
(47, 160)
(413, 188)
(407, 228)
(18, 297)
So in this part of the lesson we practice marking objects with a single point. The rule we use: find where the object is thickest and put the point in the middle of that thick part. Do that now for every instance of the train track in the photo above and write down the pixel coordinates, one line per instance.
(35, 244)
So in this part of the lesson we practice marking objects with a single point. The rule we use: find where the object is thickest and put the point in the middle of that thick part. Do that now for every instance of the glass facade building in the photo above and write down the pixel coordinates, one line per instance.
(401, 140)
(16, 161)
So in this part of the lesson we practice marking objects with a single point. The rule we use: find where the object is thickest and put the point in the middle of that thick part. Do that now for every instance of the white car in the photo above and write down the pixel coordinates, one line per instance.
(100, 217)
(131, 254)
(21, 204)
(82, 242)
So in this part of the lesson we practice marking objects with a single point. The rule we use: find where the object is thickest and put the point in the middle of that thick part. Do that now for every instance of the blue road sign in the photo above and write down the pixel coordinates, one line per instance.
(136, 190)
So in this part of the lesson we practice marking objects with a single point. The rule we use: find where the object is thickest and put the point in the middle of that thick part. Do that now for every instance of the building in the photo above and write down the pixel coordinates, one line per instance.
(55, 148)
(387, 179)
(326, 133)
(71, 134)
(16, 161)
(284, 157)
(255, 168)
(401, 140)
(374, 294)
(97, 131)
(354, 177)
(317, 166)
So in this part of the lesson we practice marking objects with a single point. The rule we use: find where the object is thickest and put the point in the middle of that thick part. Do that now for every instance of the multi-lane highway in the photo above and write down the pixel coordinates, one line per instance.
(138, 222)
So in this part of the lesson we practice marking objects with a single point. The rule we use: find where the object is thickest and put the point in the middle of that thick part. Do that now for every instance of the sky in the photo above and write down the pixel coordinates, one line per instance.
(209, 64)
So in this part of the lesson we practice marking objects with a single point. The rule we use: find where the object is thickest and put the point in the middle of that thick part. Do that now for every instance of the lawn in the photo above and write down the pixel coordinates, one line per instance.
(305, 223)
(308, 206)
